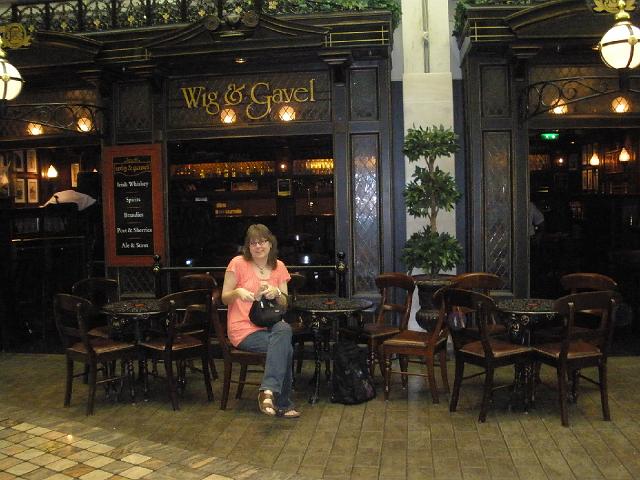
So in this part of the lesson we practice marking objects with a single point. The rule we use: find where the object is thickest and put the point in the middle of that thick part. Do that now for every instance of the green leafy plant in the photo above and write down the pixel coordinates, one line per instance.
(430, 190)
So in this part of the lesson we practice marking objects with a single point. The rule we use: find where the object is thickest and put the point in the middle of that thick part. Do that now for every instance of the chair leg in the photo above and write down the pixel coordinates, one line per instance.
(562, 393)
(226, 385)
(604, 395)
(486, 394)
(69, 385)
(431, 376)
(381, 362)
(207, 375)
(387, 374)
(243, 378)
(372, 360)
(457, 381)
(85, 375)
(575, 382)
(171, 382)
(300, 357)
(404, 367)
(93, 373)
(443, 369)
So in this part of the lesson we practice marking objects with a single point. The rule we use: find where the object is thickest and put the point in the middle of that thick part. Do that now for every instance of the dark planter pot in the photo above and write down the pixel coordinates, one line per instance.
(427, 285)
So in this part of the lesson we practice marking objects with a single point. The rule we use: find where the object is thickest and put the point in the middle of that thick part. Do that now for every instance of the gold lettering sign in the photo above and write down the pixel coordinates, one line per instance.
(261, 97)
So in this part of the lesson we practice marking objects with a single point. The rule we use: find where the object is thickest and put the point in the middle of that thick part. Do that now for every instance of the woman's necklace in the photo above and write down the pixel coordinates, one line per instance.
(260, 269)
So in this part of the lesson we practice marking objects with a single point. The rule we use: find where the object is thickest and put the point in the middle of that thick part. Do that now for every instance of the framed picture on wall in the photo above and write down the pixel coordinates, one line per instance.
(75, 168)
(17, 158)
(32, 190)
(32, 161)
(19, 194)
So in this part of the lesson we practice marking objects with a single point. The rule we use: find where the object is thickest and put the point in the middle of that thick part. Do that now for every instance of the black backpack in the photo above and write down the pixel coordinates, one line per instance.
(351, 380)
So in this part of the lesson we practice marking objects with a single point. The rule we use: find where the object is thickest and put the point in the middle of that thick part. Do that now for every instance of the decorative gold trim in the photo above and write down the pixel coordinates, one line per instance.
(14, 35)
(611, 6)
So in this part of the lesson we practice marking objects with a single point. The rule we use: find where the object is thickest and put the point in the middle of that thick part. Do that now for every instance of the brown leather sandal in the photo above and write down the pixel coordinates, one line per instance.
(291, 413)
(265, 403)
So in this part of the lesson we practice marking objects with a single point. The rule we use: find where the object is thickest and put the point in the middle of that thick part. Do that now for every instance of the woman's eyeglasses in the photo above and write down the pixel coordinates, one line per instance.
(258, 243)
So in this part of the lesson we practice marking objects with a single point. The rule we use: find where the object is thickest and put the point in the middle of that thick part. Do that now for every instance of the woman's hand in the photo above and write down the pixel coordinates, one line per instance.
(244, 294)
(269, 292)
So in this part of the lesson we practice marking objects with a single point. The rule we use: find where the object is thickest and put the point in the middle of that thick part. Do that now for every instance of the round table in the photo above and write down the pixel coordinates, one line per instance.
(326, 311)
(125, 317)
(524, 315)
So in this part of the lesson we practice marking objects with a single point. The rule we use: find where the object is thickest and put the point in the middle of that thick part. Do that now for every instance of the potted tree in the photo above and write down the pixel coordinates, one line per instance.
(430, 191)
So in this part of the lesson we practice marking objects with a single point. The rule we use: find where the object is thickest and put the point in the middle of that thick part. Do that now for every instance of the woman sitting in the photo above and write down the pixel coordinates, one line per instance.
(255, 274)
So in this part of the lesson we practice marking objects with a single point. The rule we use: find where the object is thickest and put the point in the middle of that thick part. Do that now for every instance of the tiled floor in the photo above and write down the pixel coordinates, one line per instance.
(407, 437)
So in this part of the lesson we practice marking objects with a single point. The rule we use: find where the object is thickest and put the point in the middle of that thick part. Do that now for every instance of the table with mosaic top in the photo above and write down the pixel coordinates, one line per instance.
(326, 311)
(522, 317)
(128, 319)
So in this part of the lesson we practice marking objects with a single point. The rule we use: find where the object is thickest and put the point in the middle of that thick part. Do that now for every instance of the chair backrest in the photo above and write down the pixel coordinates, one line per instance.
(602, 302)
(98, 290)
(295, 284)
(220, 326)
(387, 283)
(188, 310)
(456, 303)
(196, 281)
(582, 281)
(477, 281)
(66, 313)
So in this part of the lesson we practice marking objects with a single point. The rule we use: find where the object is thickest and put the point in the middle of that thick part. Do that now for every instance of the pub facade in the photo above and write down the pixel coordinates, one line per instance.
(190, 124)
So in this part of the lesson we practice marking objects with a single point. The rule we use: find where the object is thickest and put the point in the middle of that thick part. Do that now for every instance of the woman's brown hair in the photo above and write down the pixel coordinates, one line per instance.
(258, 231)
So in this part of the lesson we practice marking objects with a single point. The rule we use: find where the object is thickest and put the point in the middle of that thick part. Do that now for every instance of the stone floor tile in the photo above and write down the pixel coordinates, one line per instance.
(135, 458)
(82, 456)
(29, 454)
(21, 468)
(39, 474)
(135, 472)
(99, 461)
(97, 475)
(78, 470)
(61, 464)
(44, 459)
(8, 462)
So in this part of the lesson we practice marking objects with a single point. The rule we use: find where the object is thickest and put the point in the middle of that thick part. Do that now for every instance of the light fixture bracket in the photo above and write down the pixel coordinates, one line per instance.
(61, 116)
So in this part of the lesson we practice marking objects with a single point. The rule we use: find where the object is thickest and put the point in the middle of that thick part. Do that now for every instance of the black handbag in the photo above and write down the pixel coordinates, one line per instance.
(266, 313)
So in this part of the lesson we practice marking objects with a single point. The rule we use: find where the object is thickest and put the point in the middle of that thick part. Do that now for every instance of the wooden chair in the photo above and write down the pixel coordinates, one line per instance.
(584, 319)
(421, 344)
(488, 352)
(99, 291)
(197, 281)
(579, 349)
(374, 334)
(481, 282)
(231, 355)
(176, 346)
(71, 315)
(582, 281)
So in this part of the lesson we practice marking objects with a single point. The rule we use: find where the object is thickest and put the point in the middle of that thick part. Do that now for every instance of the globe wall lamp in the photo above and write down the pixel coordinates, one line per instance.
(619, 47)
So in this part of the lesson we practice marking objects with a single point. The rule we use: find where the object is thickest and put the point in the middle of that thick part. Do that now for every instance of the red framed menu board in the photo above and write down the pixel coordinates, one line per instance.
(133, 204)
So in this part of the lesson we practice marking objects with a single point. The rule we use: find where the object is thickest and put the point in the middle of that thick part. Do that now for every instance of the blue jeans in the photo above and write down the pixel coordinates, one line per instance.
(276, 342)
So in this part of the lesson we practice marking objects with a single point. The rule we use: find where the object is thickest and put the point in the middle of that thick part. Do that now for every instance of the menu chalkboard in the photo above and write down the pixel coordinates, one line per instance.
(132, 186)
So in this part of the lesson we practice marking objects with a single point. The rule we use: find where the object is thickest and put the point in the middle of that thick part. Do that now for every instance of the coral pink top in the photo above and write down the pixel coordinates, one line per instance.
(238, 324)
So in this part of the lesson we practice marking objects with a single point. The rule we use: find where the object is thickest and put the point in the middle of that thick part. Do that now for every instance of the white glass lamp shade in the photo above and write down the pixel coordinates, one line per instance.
(619, 46)
(10, 81)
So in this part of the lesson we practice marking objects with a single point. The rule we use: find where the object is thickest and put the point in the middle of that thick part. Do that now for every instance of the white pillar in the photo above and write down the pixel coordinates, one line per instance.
(427, 87)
